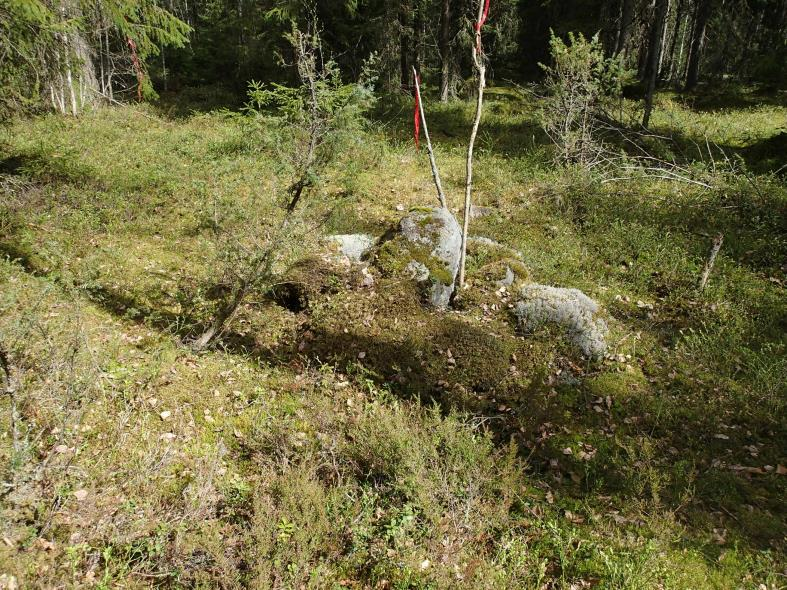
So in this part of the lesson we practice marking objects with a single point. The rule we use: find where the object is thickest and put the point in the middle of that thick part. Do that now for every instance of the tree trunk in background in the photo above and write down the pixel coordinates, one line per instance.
(404, 43)
(390, 69)
(444, 44)
(654, 55)
(73, 82)
(419, 32)
(677, 32)
(664, 31)
(626, 20)
(697, 43)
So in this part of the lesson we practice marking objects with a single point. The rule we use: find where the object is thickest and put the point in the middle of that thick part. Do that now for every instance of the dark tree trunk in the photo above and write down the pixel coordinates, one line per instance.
(654, 55)
(626, 21)
(445, 51)
(679, 16)
(419, 30)
(405, 43)
(697, 43)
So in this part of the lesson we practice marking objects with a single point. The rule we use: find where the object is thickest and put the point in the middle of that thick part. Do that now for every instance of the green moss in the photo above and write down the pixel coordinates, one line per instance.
(395, 255)
(619, 385)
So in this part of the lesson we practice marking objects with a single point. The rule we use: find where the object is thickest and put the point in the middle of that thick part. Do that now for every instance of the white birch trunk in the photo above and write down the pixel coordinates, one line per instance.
(478, 60)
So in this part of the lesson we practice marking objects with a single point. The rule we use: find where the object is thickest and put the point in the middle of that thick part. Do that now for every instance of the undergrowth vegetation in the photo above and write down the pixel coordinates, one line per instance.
(341, 435)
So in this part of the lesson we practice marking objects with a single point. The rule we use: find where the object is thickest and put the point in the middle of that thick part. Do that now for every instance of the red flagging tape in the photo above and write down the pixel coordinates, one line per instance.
(478, 25)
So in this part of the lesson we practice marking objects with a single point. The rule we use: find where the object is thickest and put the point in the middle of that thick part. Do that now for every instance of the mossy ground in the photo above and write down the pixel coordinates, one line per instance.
(342, 435)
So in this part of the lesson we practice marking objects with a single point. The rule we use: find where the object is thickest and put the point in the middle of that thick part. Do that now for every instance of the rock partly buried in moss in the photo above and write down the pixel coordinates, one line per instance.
(570, 309)
(353, 246)
(433, 239)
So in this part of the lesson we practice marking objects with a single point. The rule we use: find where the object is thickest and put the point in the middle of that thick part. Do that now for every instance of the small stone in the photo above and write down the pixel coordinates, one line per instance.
(165, 415)
(80, 495)
(368, 279)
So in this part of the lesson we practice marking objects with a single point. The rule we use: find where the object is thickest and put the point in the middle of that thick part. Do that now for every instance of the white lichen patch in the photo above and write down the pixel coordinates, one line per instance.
(570, 309)
(353, 246)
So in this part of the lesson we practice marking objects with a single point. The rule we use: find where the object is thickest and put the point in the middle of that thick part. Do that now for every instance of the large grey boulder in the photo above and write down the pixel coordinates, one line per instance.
(570, 309)
(353, 246)
(434, 239)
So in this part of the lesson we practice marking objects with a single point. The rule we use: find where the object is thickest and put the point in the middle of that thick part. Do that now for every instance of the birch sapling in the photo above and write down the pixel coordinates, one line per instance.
(480, 67)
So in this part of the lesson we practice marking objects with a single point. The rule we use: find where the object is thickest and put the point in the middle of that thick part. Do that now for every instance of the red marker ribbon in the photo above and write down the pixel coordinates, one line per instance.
(480, 24)
(485, 15)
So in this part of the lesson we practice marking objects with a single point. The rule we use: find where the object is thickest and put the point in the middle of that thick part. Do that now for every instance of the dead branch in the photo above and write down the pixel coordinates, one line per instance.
(9, 389)
(432, 161)
(717, 242)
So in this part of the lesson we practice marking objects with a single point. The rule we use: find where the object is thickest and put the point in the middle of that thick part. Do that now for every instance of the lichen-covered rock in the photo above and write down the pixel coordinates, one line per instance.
(353, 246)
(570, 309)
(434, 238)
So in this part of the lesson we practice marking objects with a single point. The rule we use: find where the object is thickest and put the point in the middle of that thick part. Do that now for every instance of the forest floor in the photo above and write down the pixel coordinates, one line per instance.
(354, 438)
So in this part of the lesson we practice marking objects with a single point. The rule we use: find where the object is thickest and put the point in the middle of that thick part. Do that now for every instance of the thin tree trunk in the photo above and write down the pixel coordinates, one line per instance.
(626, 20)
(221, 319)
(697, 43)
(109, 63)
(445, 51)
(480, 66)
(664, 32)
(419, 26)
(654, 55)
(677, 32)
(404, 44)
(102, 73)
(70, 84)
(390, 74)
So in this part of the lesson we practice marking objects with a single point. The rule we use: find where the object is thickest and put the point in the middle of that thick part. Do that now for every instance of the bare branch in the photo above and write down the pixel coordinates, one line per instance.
(432, 161)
